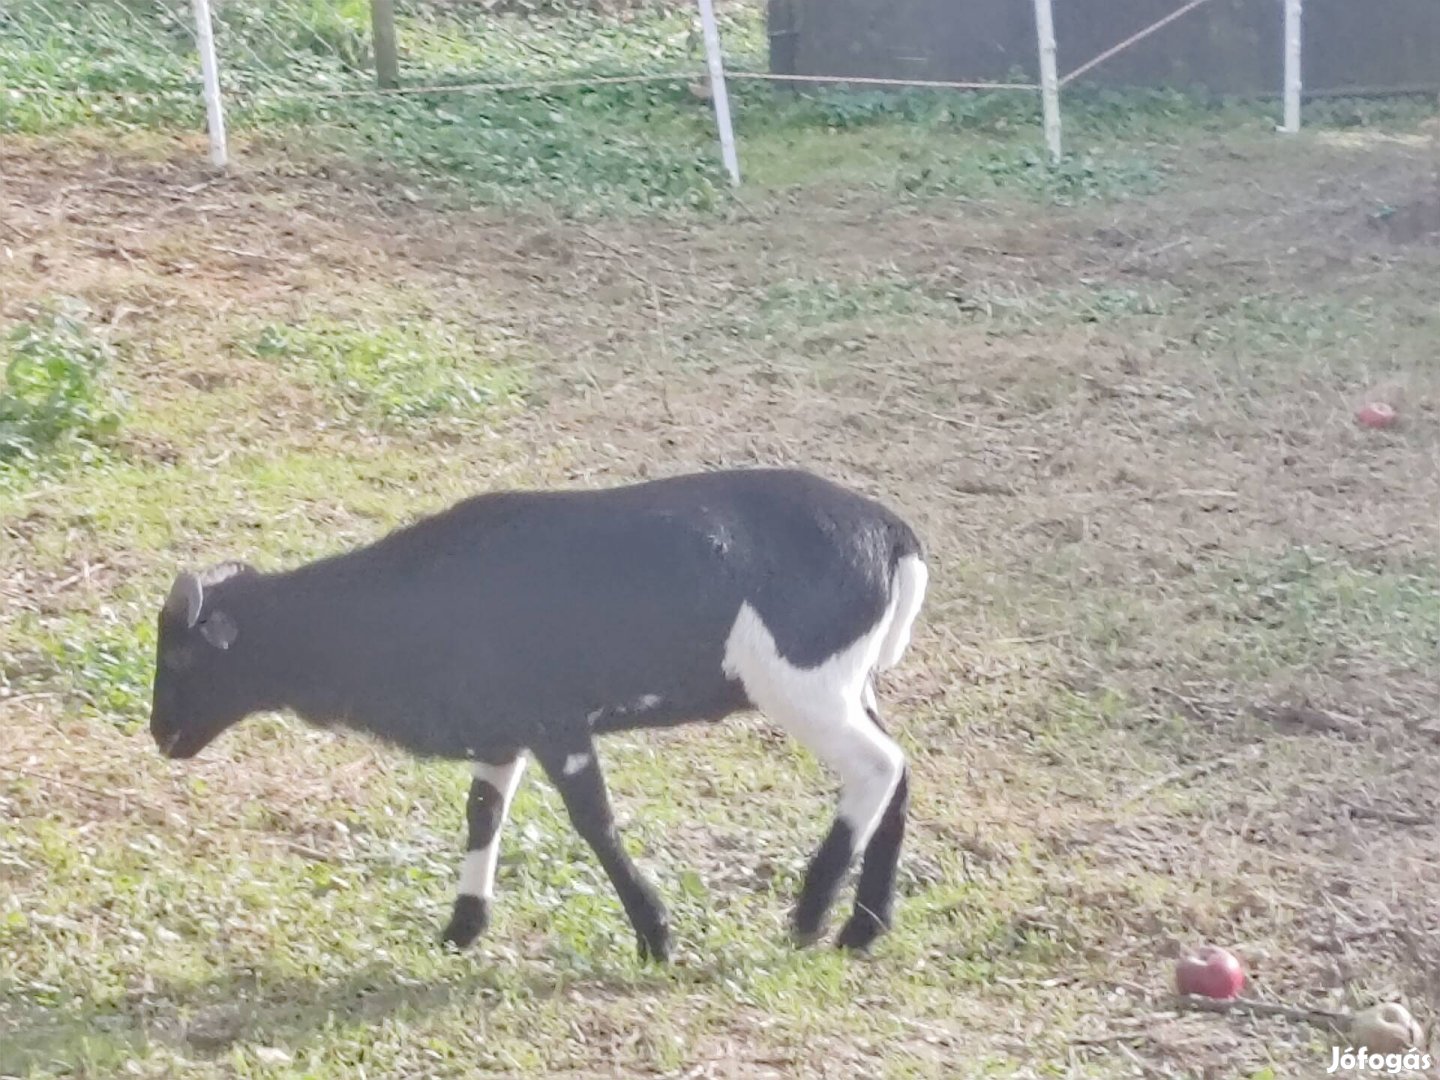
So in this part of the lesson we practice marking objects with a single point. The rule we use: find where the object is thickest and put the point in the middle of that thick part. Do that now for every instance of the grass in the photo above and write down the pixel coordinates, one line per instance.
(599, 149)
(53, 391)
(1115, 397)
(397, 374)
(1308, 607)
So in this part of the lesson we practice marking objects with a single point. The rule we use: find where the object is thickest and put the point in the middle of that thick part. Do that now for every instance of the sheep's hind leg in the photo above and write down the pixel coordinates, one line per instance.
(872, 773)
(875, 892)
(491, 791)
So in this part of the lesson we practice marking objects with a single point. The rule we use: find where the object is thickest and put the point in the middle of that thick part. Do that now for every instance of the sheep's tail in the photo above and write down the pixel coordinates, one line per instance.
(907, 592)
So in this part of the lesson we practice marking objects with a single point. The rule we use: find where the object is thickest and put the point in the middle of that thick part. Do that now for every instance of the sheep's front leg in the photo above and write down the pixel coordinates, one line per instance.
(491, 792)
(574, 769)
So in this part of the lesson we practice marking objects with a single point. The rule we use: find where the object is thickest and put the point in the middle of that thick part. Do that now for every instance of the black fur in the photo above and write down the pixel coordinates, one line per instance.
(470, 919)
(822, 881)
(875, 892)
(536, 620)
(588, 805)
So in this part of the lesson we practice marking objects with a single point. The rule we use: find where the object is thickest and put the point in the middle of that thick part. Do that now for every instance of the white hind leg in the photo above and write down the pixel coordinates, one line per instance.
(870, 766)
(824, 708)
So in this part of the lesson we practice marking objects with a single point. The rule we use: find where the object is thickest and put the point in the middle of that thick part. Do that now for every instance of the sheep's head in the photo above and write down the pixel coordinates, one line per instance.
(196, 695)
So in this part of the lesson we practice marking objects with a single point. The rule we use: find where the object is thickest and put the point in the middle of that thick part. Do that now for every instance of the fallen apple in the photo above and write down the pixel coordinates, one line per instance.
(1209, 971)
(1376, 414)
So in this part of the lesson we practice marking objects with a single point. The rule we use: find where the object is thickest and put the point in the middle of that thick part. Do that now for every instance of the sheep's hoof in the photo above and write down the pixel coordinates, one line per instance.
(859, 932)
(804, 937)
(470, 919)
(654, 948)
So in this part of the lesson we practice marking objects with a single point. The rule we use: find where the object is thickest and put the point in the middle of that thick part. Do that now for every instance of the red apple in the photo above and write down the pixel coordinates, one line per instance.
(1209, 971)
(1375, 414)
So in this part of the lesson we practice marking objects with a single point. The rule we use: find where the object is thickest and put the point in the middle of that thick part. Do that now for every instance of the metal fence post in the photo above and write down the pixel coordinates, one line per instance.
(1292, 67)
(1049, 81)
(210, 76)
(718, 90)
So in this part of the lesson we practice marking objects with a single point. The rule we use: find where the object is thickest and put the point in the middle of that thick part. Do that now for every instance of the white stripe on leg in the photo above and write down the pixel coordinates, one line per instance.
(477, 872)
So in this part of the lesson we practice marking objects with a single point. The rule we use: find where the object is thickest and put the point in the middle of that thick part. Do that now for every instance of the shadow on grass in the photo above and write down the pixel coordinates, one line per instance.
(209, 1016)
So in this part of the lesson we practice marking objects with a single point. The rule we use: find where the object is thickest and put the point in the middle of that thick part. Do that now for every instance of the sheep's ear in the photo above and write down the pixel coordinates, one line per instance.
(219, 629)
(185, 598)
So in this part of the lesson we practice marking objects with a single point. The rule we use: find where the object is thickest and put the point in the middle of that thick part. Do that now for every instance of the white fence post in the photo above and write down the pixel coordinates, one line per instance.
(214, 113)
(717, 90)
(1049, 80)
(1292, 67)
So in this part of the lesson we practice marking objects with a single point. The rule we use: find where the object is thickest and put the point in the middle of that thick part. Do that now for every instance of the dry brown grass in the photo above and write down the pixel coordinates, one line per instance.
(1116, 428)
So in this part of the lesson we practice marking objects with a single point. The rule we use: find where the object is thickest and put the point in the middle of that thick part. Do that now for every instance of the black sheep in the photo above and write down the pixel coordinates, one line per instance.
(531, 622)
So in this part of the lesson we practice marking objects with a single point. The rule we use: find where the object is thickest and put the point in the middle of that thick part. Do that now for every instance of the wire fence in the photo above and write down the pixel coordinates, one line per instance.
(63, 63)
(566, 71)
(272, 50)
(504, 100)
(307, 47)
